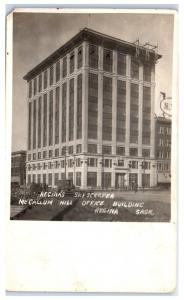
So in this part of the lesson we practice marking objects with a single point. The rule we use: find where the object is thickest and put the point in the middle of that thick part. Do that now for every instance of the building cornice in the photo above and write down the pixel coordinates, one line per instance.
(96, 38)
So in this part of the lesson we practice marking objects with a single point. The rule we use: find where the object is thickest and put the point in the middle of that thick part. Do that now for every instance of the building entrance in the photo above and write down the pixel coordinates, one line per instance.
(120, 181)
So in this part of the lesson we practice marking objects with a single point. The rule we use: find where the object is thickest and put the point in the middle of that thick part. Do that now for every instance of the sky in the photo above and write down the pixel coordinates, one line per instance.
(37, 35)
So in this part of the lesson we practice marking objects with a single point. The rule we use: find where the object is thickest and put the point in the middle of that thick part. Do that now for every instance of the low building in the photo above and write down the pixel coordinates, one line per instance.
(163, 150)
(18, 168)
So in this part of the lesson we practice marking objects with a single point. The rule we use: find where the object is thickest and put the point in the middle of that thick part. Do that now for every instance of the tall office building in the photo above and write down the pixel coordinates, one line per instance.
(91, 114)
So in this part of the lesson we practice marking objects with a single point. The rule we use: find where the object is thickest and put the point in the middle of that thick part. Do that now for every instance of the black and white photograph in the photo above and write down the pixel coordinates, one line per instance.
(92, 117)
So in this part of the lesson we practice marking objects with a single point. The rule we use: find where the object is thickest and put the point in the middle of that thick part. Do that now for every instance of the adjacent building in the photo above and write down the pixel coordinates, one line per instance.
(18, 168)
(163, 150)
(91, 114)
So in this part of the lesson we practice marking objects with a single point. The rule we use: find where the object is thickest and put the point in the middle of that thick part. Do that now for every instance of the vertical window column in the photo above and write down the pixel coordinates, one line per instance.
(57, 121)
(114, 102)
(107, 109)
(29, 124)
(51, 118)
(79, 106)
(71, 109)
(63, 113)
(100, 104)
(127, 133)
(84, 97)
(34, 124)
(39, 121)
(93, 106)
(45, 120)
(140, 111)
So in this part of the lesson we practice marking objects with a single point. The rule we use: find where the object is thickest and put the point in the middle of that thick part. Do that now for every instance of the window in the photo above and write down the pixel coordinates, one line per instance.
(50, 179)
(93, 56)
(49, 165)
(121, 111)
(147, 72)
(79, 106)
(70, 149)
(71, 109)
(39, 155)
(120, 163)
(34, 178)
(44, 178)
(70, 176)
(92, 148)
(40, 83)
(107, 163)
(133, 164)
(57, 71)
(70, 163)
(145, 165)
(93, 106)
(79, 58)
(120, 151)
(38, 166)
(44, 154)
(78, 178)
(30, 89)
(29, 157)
(56, 179)
(106, 149)
(57, 115)
(107, 60)
(106, 179)
(62, 164)
(56, 164)
(107, 109)
(146, 152)
(72, 59)
(51, 75)
(92, 162)
(134, 69)
(133, 151)
(57, 152)
(50, 153)
(121, 61)
(79, 148)
(51, 118)
(45, 79)
(78, 162)
(92, 179)
(64, 67)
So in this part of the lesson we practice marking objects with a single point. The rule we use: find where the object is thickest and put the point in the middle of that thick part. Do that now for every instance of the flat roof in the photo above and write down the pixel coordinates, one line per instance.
(93, 37)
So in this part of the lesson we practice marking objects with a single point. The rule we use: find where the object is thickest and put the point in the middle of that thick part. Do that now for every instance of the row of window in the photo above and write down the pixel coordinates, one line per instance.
(61, 70)
(164, 130)
(164, 154)
(53, 179)
(163, 142)
(91, 162)
(92, 148)
(163, 166)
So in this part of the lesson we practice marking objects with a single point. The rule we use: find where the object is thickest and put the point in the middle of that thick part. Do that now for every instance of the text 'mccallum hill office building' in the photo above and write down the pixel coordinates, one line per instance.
(91, 114)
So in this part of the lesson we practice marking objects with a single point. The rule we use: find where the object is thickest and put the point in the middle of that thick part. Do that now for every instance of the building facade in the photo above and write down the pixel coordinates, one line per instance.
(163, 150)
(18, 168)
(91, 114)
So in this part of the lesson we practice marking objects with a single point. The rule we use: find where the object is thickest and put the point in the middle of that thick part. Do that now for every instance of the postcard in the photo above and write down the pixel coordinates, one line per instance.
(92, 116)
